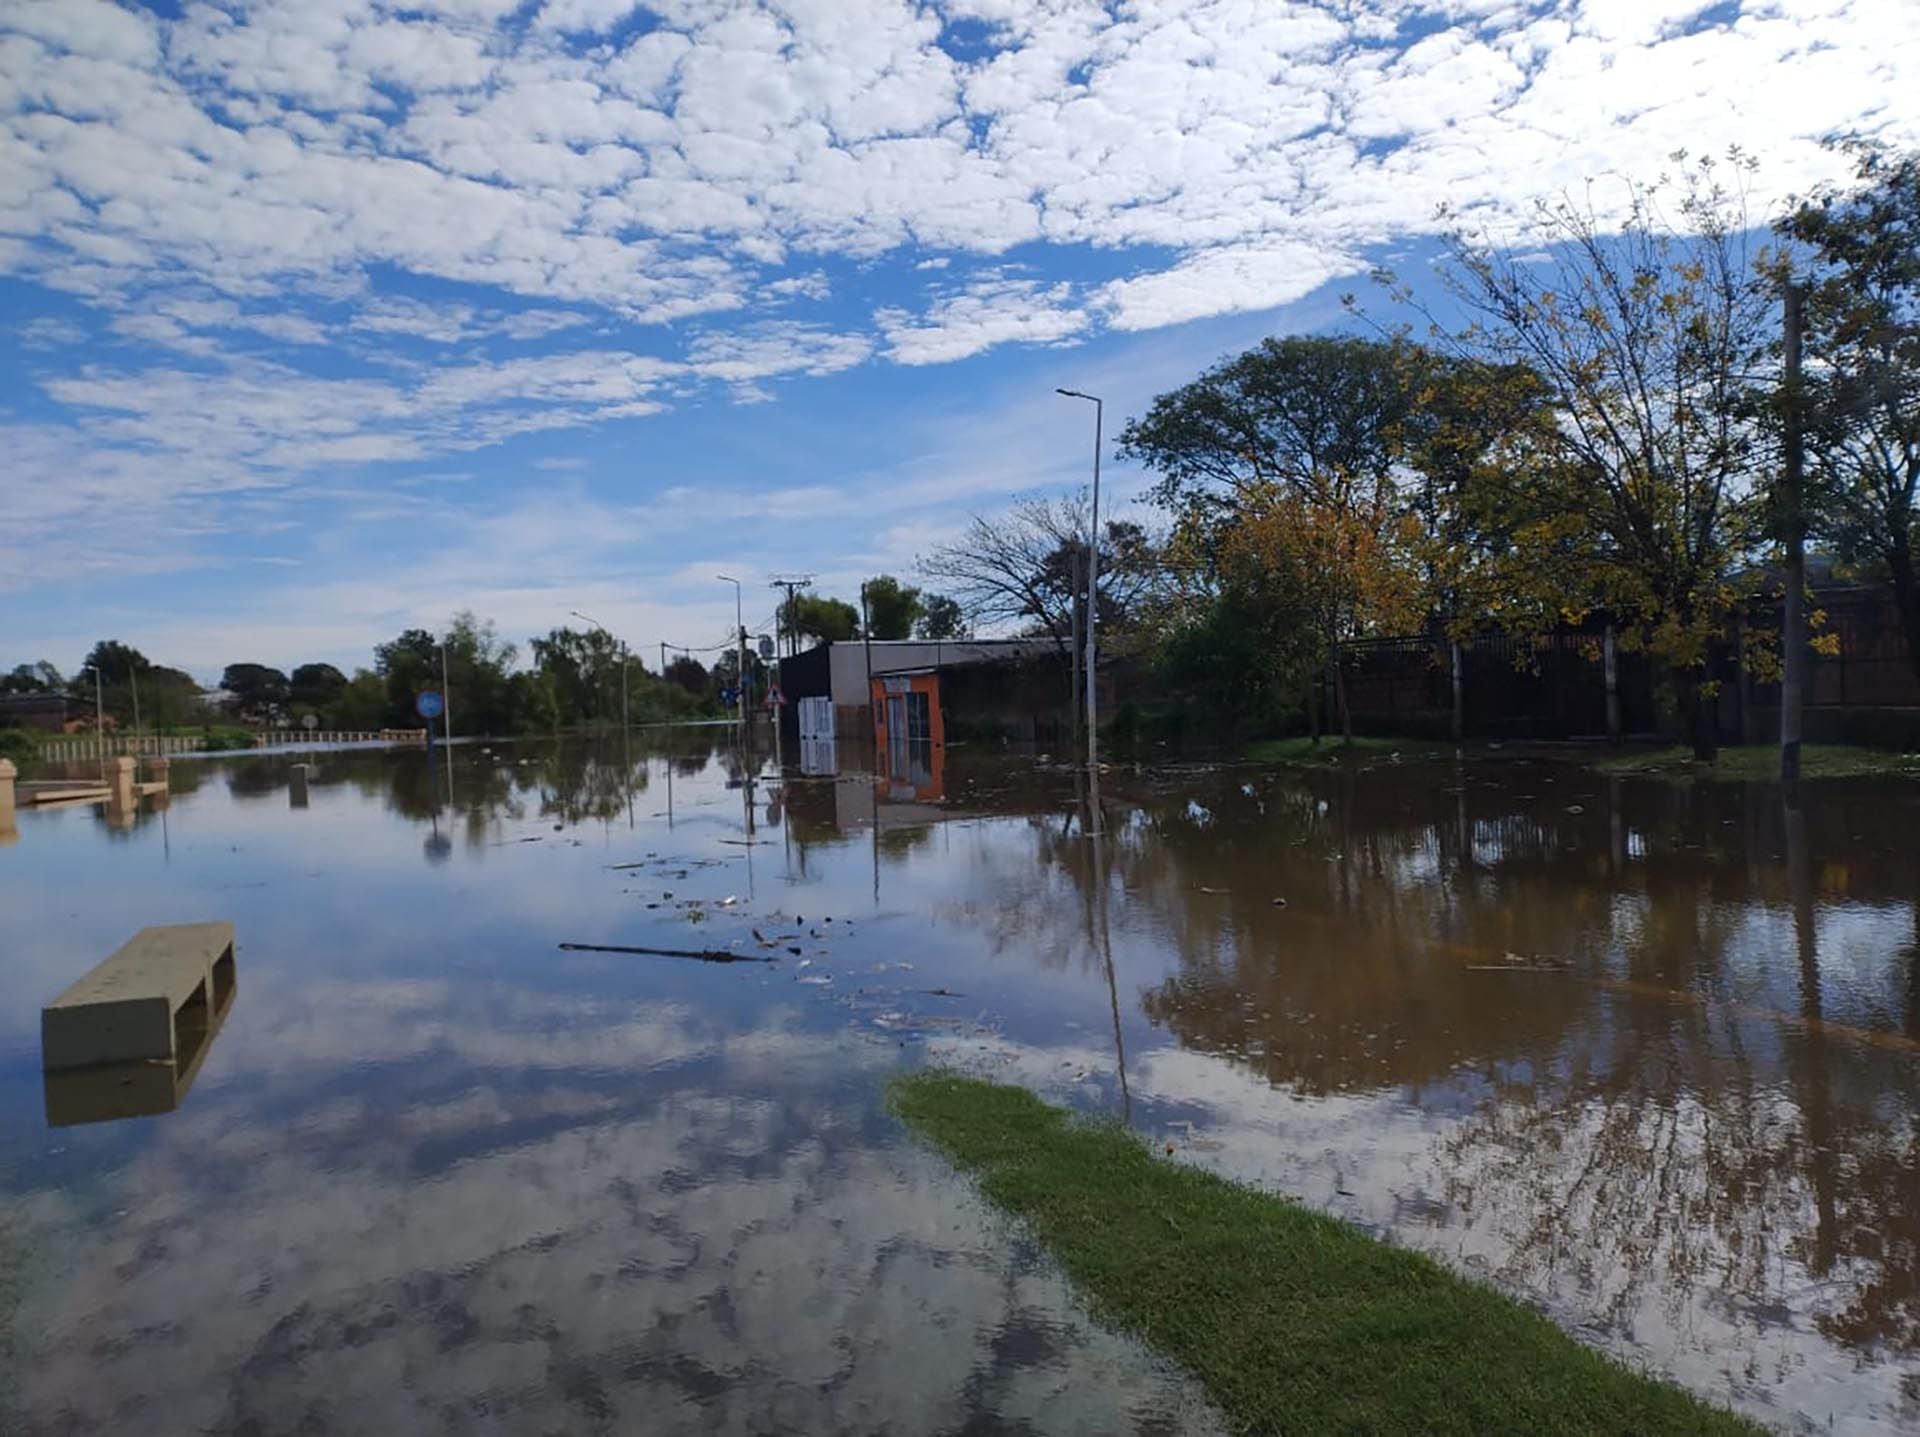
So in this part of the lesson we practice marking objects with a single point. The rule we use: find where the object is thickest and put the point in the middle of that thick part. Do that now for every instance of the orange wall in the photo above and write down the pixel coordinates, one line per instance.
(928, 684)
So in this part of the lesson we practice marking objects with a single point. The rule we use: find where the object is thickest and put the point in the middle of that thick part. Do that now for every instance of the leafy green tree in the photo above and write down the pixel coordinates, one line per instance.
(1863, 343)
(40, 678)
(361, 705)
(130, 681)
(585, 669)
(258, 693)
(1297, 445)
(691, 675)
(311, 688)
(112, 661)
(816, 617)
(479, 672)
(892, 608)
(408, 665)
(536, 701)
(941, 618)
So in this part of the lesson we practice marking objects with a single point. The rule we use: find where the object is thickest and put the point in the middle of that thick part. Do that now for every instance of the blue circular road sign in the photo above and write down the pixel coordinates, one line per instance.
(429, 705)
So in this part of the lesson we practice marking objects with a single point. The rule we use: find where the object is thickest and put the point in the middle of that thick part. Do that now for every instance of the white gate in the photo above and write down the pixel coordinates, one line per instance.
(816, 718)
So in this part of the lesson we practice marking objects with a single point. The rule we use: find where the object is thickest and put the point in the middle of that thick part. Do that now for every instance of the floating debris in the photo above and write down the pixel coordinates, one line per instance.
(701, 955)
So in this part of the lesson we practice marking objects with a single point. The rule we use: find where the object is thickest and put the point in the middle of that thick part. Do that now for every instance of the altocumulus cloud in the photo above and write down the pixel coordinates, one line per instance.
(263, 238)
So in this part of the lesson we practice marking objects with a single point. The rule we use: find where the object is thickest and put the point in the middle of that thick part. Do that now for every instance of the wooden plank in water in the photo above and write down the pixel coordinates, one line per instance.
(132, 1004)
(43, 791)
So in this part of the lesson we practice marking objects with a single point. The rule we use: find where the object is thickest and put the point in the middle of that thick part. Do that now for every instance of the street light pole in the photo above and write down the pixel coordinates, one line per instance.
(1093, 572)
(740, 677)
(624, 725)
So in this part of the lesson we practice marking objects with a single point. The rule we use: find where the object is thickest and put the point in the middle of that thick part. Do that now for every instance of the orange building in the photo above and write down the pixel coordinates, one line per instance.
(906, 709)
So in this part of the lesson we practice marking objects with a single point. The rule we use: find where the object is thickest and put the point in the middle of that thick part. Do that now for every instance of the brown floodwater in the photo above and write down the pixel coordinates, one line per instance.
(1643, 1054)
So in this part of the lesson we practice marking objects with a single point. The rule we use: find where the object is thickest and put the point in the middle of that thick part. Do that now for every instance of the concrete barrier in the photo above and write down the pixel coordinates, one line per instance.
(144, 1001)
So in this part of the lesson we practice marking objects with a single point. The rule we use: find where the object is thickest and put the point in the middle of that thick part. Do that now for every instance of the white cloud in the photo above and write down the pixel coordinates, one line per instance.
(459, 323)
(47, 333)
(770, 349)
(655, 175)
(992, 309)
(1220, 281)
(368, 232)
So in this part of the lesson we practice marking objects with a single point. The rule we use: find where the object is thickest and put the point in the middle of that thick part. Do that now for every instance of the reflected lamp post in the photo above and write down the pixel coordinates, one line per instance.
(1093, 570)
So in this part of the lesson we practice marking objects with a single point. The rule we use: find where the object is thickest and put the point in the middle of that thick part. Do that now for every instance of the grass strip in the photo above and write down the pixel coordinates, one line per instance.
(1762, 761)
(1293, 1321)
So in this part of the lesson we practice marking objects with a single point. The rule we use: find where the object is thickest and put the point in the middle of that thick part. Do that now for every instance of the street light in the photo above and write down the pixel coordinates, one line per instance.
(740, 675)
(1093, 569)
(623, 662)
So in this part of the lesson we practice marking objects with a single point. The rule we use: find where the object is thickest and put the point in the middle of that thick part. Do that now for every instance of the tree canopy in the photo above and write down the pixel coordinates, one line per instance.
(892, 607)
(1861, 247)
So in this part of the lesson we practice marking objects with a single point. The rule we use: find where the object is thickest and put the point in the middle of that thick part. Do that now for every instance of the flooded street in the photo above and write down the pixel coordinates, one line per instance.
(1645, 1054)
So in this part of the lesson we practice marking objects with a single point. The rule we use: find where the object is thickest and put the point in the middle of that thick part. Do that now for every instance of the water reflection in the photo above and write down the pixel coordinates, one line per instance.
(1648, 1055)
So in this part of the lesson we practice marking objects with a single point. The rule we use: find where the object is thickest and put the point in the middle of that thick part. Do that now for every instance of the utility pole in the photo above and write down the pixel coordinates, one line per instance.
(740, 677)
(1073, 641)
(792, 583)
(1793, 637)
(133, 682)
(1093, 576)
(446, 699)
(866, 642)
(663, 658)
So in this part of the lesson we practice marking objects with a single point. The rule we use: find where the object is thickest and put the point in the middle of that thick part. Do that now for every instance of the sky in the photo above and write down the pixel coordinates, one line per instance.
(327, 319)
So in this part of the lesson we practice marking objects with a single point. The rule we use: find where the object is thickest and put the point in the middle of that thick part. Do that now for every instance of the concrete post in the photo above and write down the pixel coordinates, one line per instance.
(8, 773)
(1610, 658)
(123, 802)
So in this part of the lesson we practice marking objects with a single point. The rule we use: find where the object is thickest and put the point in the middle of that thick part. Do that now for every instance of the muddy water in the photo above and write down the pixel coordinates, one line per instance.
(1646, 1055)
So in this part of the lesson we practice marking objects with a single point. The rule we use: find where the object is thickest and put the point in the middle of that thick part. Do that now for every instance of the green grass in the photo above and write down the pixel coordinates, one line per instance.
(1304, 752)
(1763, 761)
(1293, 1321)
(219, 737)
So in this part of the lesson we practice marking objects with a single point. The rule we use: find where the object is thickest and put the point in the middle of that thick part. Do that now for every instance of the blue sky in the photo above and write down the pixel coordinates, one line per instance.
(328, 319)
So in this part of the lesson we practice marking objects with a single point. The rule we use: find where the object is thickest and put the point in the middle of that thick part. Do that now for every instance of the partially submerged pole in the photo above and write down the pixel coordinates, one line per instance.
(1793, 626)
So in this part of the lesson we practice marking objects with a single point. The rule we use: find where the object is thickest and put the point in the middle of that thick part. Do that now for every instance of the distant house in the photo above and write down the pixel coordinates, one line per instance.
(46, 712)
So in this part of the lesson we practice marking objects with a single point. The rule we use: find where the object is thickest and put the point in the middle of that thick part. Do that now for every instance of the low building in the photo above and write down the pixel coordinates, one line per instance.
(853, 673)
(45, 712)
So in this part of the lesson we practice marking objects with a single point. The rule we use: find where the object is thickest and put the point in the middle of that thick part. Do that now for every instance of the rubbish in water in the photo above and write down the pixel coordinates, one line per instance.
(815, 979)
(1279, 903)
(703, 955)
(728, 901)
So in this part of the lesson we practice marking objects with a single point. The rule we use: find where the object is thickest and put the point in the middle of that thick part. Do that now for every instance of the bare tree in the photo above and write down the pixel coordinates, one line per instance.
(1018, 569)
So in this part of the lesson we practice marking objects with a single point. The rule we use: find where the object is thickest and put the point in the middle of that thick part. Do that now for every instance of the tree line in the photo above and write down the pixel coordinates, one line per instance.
(1608, 432)
(573, 679)
(572, 682)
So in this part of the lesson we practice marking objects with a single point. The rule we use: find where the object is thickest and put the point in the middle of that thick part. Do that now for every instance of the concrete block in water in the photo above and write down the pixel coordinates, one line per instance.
(135, 1003)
